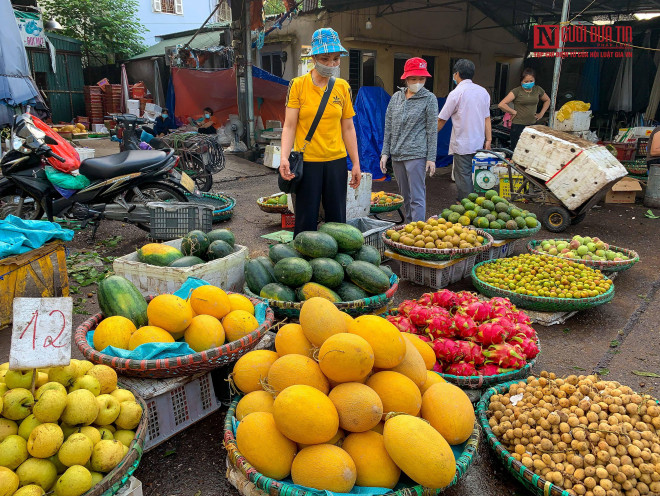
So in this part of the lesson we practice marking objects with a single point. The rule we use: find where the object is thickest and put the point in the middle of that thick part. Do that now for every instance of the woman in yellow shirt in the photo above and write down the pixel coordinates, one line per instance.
(325, 165)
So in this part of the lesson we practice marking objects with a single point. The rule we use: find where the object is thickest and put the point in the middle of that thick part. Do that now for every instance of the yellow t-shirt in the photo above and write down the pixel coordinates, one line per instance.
(327, 143)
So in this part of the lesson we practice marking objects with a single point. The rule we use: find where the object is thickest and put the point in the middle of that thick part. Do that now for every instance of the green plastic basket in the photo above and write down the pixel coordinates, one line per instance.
(604, 266)
(275, 487)
(377, 209)
(540, 303)
(500, 234)
(223, 205)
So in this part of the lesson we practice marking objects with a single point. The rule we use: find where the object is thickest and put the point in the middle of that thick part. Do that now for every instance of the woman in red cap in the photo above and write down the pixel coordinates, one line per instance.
(411, 138)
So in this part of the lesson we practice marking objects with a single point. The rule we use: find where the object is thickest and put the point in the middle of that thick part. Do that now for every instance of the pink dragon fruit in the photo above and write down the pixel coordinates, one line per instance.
(462, 369)
(479, 311)
(420, 316)
(446, 350)
(403, 323)
(464, 326)
(471, 352)
(424, 338)
(406, 306)
(464, 298)
(445, 299)
(492, 369)
(439, 312)
(440, 327)
(508, 326)
(521, 317)
(526, 330)
(505, 355)
(503, 302)
(526, 345)
(426, 300)
(437, 367)
(497, 311)
(490, 333)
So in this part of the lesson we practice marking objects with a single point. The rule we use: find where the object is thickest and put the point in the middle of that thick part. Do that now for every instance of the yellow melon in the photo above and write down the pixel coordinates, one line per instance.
(431, 379)
(252, 368)
(114, 331)
(210, 300)
(324, 467)
(359, 407)
(379, 427)
(337, 439)
(264, 446)
(291, 340)
(385, 339)
(397, 392)
(305, 415)
(419, 451)
(169, 312)
(374, 466)
(349, 320)
(449, 410)
(320, 319)
(240, 302)
(424, 349)
(256, 401)
(149, 334)
(413, 365)
(204, 332)
(296, 369)
(346, 357)
(238, 324)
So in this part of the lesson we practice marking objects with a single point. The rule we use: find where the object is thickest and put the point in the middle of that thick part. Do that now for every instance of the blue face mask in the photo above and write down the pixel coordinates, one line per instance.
(164, 116)
(528, 86)
(454, 79)
(207, 115)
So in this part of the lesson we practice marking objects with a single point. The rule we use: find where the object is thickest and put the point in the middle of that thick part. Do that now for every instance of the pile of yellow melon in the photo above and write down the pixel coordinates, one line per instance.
(208, 319)
(339, 404)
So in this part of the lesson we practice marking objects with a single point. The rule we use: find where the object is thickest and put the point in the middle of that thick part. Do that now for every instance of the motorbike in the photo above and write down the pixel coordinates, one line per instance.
(121, 185)
(200, 158)
(500, 133)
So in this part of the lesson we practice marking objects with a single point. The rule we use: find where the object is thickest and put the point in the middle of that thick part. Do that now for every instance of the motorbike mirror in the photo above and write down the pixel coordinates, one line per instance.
(50, 141)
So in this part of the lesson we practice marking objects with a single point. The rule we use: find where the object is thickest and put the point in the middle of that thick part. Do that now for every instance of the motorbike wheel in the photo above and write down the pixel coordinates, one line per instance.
(154, 192)
(198, 173)
(30, 210)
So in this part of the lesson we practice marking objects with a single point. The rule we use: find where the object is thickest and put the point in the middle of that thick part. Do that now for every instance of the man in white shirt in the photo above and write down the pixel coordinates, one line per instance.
(468, 107)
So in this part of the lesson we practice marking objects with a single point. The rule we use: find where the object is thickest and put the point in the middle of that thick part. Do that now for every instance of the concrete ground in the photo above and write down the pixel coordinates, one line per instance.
(619, 339)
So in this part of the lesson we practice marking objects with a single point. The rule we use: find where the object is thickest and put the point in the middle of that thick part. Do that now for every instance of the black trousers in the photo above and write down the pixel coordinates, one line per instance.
(516, 131)
(322, 182)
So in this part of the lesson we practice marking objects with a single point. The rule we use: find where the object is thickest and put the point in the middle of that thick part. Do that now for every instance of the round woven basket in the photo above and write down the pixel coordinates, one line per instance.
(511, 234)
(540, 303)
(275, 487)
(272, 209)
(118, 476)
(223, 205)
(175, 366)
(357, 307)
(604, 266)
(377, 208)
(434, 253)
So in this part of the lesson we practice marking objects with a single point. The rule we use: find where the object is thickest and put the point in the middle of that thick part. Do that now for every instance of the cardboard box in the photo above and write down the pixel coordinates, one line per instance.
(624, 191)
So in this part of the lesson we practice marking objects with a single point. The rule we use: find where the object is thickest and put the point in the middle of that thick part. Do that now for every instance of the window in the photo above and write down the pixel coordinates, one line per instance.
(399, 68)
(501, 81)
(361, 69)
(272, 62)
(168, 6)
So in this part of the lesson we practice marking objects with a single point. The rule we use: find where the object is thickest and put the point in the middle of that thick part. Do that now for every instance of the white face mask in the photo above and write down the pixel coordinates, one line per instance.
(326, 70)
(415, 87)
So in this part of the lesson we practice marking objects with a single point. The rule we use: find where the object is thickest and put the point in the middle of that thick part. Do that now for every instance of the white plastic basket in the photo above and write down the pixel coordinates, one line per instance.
(436, 275)
(499, 249)
(133, 487)
(174, 404)
(371, 229)
(226, 273)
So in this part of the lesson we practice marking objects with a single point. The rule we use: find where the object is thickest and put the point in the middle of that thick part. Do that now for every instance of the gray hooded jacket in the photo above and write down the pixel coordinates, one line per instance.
(411, 126)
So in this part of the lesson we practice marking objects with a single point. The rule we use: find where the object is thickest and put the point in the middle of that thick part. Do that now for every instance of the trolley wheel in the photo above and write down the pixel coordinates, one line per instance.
(578, 218)
(556, 219)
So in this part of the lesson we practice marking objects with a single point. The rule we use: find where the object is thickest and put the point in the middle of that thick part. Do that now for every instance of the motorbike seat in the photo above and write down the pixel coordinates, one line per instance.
(120, 163)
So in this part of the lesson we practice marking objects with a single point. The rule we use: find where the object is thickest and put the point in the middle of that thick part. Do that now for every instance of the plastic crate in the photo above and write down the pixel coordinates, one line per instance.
(288, 221)
(173, 404)
(171, 220)
(226, 273)
(436, 275)
(642, 147)
(625, 151)
(499, 249)
(505, 190)
(85, 153)
(372, 229)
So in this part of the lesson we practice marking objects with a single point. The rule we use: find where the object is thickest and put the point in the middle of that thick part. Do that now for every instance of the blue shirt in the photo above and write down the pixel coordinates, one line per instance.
(163, 125)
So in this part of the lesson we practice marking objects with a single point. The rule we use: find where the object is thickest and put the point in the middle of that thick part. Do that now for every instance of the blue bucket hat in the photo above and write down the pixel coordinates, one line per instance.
(326, 40)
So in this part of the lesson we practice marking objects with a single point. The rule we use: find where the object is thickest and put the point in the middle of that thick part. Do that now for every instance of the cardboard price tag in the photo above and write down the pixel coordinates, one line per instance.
(41, 335)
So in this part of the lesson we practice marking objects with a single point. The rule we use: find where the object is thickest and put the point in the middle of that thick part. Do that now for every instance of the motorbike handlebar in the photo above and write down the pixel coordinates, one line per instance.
(55, 156)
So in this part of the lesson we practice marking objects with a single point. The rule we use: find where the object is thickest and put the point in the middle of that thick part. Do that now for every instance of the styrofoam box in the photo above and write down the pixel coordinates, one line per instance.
(272, 156)
(578, 121)
(133, 487)
(173, 404)
(85, 153)
(226, 273)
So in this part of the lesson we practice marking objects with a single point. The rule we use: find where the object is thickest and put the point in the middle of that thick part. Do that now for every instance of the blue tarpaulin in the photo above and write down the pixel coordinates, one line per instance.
(370, 107)
(20, 236)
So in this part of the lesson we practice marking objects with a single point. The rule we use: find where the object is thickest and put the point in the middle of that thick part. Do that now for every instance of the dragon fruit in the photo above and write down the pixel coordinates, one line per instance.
(439, 312)
(490, 333)
(406, 306)
(479, 311)
(526, 345)
(426, 300)
(403, 323)
(508, 326)
(420, 316)
(445, 299)
(505, 355)
(440, 327)
(464, 298)
(462, 369)
(497, 311)
(437, 367)
(446, 350)
(526, 330)
(471, 352)
(502, 302)
(424, 338)
(521, 317)
(492, 369)
(464, 325)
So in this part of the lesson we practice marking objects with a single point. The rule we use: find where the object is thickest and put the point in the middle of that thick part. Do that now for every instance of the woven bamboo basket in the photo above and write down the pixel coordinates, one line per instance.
(540, 303)
(272, 209)
(275, 487)
(604, 266)
(499, 234)
(175, 366)
(434, 253)
(118, 476)
(223, 205)
(377, 208)
(355, 308)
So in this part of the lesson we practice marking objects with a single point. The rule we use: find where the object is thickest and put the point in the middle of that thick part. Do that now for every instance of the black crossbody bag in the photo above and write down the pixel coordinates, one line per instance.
(296, 158)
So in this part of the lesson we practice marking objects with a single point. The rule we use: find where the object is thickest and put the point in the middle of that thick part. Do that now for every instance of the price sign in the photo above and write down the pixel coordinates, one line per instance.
(41, 336)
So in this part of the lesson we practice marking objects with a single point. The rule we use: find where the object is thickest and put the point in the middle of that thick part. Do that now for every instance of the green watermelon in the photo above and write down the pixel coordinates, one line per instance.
(219, 249)
(327, 272)
(293, 272)
(279, 251)
(488, 205)
(279, 292)
(268, 265)
(195, 244)
(315, 244)
(222, 235)
(388, 271)
(348, 238)
(158, 254)
(344, 259)
(348, 291)
(256, 276)
(187, 262)
(368, 254)
(368, 277)
(119, 296)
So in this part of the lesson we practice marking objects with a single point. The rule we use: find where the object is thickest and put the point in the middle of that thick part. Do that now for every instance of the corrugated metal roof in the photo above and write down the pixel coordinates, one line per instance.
(207, 39)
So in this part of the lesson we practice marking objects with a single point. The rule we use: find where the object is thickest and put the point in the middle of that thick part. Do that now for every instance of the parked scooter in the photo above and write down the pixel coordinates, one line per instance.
(121, 184)
(500, 133)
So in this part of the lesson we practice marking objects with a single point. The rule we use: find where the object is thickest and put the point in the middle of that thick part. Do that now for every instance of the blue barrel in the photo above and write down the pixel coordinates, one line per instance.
(652, 195)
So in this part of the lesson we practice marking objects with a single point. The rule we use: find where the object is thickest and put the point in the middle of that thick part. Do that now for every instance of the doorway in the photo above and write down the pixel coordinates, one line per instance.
(399, 64)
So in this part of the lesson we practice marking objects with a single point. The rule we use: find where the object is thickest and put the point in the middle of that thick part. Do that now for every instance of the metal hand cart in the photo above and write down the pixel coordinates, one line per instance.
(201, 156)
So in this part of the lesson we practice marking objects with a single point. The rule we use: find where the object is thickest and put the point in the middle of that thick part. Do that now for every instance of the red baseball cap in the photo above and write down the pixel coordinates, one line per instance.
(415, 66)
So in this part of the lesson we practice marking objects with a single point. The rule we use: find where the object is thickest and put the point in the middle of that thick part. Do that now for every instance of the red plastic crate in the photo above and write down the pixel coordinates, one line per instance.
(625, 151)
(288, 221)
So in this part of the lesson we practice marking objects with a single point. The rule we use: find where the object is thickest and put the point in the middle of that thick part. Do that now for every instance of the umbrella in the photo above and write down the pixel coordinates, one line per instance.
(123, 106)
